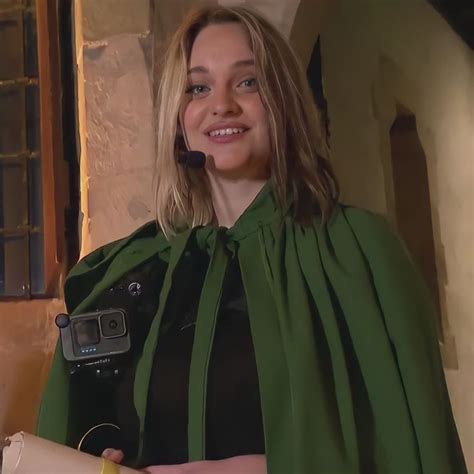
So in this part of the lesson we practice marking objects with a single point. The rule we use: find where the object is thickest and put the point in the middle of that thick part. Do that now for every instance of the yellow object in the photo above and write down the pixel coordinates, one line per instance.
(109, 467)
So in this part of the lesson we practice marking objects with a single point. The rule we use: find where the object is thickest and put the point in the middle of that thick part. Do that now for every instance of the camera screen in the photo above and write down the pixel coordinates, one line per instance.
(87, 332)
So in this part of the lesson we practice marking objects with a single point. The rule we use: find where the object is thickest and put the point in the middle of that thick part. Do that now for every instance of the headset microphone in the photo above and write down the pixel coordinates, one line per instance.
(192, 159)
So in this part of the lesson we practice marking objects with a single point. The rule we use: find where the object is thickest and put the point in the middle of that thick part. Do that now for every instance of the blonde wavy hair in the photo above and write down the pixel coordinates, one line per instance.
(299, 167)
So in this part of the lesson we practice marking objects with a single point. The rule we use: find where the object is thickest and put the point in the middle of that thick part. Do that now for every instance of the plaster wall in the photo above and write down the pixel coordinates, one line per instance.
(376, 54)
(27, 341)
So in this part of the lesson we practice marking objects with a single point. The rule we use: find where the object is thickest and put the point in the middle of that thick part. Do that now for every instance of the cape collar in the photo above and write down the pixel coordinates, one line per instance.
(261, 211)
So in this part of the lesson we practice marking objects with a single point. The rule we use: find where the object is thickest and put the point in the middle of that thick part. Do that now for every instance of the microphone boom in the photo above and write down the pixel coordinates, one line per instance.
(192, 159)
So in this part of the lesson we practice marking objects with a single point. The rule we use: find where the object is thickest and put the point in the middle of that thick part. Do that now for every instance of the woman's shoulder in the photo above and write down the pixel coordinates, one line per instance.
(145, 236)
(363, 224)
(112, 261)
(354, 229)
(358, 216)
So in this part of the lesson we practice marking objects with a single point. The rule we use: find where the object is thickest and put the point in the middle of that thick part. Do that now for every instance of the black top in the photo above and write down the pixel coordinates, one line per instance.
(233, 416)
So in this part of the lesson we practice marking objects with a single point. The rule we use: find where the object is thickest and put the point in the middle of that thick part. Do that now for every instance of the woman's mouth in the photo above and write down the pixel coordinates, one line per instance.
(226, 135)
(225, 131)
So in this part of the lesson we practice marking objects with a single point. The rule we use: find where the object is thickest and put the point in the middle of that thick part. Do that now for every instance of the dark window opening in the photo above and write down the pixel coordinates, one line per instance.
(35, 73)
(21, 216)
(413, 200)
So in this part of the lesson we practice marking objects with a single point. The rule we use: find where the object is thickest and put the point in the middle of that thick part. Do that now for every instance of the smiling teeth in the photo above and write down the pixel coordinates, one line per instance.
(225, 131)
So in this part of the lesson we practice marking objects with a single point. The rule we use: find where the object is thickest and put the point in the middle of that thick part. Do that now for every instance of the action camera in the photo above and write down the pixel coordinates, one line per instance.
(96, 341)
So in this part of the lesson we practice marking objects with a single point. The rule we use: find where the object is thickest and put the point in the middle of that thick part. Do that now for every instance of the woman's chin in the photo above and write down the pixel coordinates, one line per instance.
(228, 167)
(232, 168)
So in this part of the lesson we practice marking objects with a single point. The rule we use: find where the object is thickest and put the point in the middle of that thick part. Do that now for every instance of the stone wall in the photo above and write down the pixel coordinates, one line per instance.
(113, 45)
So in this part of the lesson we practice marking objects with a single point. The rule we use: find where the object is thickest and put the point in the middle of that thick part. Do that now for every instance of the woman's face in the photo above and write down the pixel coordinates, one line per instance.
(223, 114)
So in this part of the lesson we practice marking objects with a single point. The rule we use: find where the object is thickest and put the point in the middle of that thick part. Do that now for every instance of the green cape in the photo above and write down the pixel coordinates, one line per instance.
(344, 333)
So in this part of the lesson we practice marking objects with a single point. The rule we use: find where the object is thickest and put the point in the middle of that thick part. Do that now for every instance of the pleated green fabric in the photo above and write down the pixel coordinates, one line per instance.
(350, 376)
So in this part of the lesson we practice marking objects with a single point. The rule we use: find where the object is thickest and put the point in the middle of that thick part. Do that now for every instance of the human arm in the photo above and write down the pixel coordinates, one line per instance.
(250, 464)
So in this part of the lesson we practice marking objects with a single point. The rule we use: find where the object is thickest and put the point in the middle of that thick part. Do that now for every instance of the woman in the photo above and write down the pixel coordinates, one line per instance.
(291, 334)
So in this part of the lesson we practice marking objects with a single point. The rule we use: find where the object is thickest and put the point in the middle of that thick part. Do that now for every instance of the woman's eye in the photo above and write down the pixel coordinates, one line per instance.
(249, 84)
(197, 90)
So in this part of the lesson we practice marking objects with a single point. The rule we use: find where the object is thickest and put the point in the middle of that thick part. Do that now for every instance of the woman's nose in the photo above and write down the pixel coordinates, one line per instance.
(224, 103)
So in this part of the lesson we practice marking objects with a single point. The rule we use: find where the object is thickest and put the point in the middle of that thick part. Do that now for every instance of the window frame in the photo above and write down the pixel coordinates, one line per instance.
(54, 169)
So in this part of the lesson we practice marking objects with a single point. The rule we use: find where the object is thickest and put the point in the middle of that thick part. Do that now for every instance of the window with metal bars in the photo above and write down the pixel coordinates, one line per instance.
(29, 128)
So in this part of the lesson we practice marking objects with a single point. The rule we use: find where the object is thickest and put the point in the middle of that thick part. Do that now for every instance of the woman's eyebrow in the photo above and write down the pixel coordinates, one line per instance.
(236, 65)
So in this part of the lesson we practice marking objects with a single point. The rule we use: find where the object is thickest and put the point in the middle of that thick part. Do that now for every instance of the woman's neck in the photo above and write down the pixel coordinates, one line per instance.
(231, 198)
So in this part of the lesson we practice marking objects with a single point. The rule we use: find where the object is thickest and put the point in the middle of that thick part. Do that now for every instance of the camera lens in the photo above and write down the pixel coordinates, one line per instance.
(112, 324)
